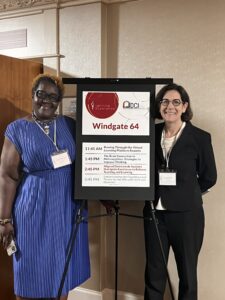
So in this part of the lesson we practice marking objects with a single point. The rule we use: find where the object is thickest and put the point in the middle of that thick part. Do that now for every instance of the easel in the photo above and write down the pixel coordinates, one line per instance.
(100, 193)
(79, 219)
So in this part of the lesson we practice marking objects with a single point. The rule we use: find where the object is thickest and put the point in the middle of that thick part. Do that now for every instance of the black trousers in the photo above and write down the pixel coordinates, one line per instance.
(183, 232)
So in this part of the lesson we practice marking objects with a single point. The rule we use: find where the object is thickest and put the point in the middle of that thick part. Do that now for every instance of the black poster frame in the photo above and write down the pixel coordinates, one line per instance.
(119, 85)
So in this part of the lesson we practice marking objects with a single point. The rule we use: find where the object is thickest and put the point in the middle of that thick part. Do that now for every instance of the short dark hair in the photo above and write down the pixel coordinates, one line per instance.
(187, 115)
(48, 78)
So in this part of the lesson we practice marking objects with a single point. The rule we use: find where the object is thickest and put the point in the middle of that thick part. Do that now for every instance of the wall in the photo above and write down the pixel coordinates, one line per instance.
(41, 33)
(184, 40)
(181, 39)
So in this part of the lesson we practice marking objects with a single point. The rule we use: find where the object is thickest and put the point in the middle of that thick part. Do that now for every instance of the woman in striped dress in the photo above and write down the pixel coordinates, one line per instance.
(37, 208)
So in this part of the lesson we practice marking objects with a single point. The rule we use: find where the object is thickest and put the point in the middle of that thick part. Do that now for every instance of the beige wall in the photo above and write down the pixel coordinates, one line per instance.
(80, 40)
(41, 33)
(184, 40)
(181, 39)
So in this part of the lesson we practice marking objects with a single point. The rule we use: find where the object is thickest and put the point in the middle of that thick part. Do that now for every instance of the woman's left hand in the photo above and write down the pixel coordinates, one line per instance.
(6, 234)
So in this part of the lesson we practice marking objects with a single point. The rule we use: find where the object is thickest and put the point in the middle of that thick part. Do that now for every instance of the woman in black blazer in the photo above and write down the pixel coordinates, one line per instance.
(185, 169)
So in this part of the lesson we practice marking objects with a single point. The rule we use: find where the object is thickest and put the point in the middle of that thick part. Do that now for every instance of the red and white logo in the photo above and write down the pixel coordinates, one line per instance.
(102, 105)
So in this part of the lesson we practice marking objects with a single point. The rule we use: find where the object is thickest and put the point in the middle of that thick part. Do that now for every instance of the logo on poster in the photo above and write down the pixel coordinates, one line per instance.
(102, 105)
(128, 104)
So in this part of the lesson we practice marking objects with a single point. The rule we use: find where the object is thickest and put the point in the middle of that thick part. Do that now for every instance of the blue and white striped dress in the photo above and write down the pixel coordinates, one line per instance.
(44, 212)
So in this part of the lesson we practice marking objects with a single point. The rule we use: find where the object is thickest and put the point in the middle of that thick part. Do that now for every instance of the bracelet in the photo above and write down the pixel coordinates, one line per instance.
(5, 221)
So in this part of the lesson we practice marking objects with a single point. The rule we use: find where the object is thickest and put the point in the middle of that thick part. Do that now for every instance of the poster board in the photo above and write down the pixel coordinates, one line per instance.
(115, 138)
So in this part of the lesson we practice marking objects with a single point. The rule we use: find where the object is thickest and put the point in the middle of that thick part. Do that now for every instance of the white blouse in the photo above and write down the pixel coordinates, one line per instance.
(167, 144)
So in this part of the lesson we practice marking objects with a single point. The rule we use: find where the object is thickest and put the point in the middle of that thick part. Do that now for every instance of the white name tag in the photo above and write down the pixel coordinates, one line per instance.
(167, 178)
(60, 159)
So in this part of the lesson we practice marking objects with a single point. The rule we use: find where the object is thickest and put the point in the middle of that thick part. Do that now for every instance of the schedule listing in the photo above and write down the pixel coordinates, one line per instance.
(115, 164)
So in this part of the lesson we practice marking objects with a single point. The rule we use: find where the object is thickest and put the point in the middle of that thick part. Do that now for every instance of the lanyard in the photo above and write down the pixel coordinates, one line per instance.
(53, 140)
(167, 154)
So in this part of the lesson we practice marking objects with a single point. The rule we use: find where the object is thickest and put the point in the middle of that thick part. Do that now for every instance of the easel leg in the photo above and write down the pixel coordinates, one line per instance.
(78, 220)
(116, 248)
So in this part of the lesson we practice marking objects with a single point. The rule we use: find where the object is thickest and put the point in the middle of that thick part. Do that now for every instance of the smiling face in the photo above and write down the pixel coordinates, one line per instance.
(170, 113)
(45, 100)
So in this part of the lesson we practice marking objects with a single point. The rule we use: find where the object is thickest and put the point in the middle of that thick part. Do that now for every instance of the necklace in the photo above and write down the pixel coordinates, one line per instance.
(45, 124)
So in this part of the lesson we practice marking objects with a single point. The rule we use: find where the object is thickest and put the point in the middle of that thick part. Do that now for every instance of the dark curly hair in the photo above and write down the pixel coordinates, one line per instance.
(187, 115)
(51, 79)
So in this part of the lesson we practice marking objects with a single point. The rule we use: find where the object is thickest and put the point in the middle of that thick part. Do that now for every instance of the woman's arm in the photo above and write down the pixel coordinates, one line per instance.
(206, 165)
(9, 179)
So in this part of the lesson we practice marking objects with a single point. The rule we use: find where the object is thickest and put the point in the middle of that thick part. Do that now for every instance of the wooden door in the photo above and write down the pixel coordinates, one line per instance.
(15, 102)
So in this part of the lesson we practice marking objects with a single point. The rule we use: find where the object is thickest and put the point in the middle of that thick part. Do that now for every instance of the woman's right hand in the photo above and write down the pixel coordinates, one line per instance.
(6, 234)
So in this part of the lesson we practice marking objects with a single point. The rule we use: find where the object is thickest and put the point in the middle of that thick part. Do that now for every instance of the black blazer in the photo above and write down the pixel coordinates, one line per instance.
(193, 159)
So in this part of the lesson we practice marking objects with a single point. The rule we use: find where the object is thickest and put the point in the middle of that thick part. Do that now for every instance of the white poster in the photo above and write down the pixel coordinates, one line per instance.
(115, 113)
(115, 164)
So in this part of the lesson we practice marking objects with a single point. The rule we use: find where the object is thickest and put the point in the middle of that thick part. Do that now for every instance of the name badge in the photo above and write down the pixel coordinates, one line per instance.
(168, 177)
(60, 159)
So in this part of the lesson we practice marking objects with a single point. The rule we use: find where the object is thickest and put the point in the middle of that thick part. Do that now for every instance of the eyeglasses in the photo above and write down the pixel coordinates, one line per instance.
(175, 102)
(42, 95)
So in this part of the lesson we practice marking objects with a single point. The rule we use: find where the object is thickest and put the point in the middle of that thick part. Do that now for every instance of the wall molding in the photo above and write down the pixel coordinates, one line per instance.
(84, 294)
(106, 294)
(17, 5)
(9, 5)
